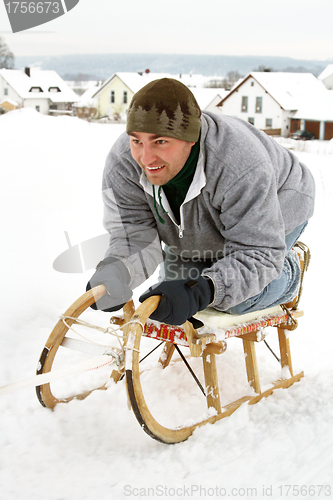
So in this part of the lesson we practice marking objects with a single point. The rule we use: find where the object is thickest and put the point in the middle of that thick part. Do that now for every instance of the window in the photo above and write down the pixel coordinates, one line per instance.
(244, 103)
(37, 108)
(125, 97)
(252, 84)
(6, 91)
(258, 104)
(54, 89)
(251, 120)
(269, 122)
(36, 89)
(112, 96)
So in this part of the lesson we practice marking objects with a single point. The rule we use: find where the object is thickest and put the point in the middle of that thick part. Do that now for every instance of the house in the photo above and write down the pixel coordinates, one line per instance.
(281, 103)
(327, 77)
(44, 91)
(114, 96)
(208, 98)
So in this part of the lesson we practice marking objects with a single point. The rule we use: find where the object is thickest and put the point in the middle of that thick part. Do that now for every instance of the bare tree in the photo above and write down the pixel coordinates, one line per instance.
(6, 56)
(230, 80)
(264, 69)
(215, 83)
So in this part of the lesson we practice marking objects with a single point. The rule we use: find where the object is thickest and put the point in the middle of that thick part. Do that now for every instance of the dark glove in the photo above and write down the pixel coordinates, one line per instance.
(111, 273)
(181, 299)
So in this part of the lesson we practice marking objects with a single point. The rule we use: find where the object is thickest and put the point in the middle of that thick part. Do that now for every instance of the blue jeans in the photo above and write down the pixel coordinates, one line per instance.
(280, 291)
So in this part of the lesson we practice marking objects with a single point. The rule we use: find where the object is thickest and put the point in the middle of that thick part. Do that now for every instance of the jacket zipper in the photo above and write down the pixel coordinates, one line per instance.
(179, 226)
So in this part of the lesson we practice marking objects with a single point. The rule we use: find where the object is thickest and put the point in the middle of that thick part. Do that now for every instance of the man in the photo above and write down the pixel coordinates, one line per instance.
(225, 199)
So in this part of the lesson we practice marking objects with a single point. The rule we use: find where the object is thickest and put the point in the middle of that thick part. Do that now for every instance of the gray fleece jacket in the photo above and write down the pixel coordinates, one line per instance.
(247, 193)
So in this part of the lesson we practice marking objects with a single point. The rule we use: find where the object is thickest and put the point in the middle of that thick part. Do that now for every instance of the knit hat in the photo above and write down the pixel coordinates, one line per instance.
(165, 107)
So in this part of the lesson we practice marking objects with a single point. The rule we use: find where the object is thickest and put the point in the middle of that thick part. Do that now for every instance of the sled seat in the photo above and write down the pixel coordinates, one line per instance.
(224, 326)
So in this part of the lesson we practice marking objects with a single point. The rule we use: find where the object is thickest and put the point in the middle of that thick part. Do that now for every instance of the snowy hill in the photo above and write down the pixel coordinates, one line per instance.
(51, 170)
(102, 66)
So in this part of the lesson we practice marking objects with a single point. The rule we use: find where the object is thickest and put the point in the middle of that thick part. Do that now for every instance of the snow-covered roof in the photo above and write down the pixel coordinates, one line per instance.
(205, 96)
(10, 101)
(87, 99)
(46, 80)
(328, 71)
(135, 81)
(319, 107)
(290, 90)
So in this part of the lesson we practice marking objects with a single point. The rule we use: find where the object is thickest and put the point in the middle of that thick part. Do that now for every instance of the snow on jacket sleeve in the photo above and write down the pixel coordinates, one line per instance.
(127, 217)
(253, 229)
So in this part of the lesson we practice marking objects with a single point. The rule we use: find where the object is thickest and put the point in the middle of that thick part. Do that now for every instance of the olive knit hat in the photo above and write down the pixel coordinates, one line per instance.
(165, 107)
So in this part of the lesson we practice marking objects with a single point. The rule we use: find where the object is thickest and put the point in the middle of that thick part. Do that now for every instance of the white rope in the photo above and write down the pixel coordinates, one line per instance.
(136, 321)
(91, 364)
(46, 378)
(130, 341)
(131, 349)
(111, 330)
(95, 327)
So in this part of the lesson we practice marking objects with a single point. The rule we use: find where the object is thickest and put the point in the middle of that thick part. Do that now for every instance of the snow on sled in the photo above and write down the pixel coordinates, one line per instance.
(205, 342)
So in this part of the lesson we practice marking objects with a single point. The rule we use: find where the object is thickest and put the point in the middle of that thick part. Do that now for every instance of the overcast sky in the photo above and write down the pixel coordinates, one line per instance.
(295, 28)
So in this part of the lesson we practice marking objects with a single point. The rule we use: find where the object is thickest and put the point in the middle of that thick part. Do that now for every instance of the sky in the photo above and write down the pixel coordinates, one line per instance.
(300, 29)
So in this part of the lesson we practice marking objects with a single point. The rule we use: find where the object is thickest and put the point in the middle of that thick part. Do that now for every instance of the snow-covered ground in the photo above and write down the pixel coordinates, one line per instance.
(94, 449)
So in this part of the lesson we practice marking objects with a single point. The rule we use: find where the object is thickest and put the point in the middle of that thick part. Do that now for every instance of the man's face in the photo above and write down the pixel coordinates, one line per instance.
(161, 158)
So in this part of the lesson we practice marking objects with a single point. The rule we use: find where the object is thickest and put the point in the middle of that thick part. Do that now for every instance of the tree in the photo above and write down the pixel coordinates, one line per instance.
(226, 82)
(6, 56)
(230, 80)
(264, 69)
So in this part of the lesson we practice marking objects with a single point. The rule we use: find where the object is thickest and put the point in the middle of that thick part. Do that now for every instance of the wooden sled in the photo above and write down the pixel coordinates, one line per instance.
(135, 326)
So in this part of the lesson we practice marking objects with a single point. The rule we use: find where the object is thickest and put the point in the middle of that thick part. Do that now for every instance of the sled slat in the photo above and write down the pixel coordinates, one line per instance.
(285, 350)
(167, 353)
(278, 384)
(211, 381)
(251, 365)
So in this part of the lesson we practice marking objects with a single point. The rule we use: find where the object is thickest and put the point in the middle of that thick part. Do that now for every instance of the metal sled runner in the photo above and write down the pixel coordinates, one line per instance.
(199, 343)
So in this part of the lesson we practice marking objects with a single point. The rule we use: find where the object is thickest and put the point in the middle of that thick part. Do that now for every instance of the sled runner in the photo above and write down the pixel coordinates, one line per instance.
(204, 338)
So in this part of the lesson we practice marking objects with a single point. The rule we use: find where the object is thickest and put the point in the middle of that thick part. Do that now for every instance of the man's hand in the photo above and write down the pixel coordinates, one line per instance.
(111, 273)
(180, 299)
